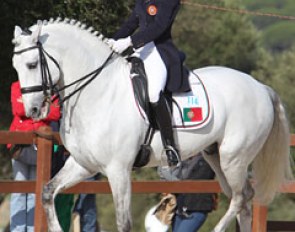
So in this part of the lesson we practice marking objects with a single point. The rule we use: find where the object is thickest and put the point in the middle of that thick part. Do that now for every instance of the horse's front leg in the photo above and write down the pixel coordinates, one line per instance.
(71, 174)
(120, 182)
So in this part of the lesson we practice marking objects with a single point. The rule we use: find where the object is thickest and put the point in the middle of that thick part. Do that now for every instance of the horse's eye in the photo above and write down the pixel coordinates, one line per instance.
(32, 65)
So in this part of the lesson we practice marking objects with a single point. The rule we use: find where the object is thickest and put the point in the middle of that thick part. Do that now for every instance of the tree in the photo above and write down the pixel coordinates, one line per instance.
(279, 73)
(212, 37)
(103, 15)
(278, 34)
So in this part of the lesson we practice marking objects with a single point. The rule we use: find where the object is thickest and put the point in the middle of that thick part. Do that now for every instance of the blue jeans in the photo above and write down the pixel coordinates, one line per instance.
(188, 224)
(85, 206)
(22, 205)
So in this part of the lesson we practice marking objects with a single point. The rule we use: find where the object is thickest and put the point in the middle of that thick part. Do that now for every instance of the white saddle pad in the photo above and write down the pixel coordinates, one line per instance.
(192, 110)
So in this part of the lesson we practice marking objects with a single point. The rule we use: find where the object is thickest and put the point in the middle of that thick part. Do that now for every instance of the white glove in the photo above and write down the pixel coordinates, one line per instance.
(121, 45)
(110, 42)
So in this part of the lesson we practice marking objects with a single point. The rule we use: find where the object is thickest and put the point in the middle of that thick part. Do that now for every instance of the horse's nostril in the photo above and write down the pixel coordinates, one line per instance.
(34, 110)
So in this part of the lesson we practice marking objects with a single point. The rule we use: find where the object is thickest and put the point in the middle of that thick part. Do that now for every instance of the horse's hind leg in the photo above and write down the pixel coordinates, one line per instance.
(236, 176)
(231, 213)
(69, 175)
(212, 157)
(245, 216)
(120, 182)
(235, 185)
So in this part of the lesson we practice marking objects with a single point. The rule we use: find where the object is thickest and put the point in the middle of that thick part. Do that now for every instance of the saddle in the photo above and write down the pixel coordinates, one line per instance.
(140, 84)
(190, 110)
(140, 87)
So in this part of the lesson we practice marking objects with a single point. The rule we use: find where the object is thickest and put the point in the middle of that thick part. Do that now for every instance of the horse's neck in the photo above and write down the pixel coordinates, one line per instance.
(81, 53)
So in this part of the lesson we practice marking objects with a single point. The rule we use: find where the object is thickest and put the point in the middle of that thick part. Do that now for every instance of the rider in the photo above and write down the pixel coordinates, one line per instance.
(152, 42)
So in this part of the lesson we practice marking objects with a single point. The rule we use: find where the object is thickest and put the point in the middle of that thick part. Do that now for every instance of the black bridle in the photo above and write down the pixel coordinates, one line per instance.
(45, 72)
(49, 89)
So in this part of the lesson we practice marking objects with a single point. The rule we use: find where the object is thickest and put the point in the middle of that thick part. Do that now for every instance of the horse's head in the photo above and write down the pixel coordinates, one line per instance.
(38, 72)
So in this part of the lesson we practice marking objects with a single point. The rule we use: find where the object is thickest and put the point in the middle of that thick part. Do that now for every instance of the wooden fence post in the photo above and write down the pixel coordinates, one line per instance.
(259, 218)
(43, 176)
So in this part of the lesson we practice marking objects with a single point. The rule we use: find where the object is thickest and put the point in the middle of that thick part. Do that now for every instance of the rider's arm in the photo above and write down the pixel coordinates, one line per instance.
(166, 12)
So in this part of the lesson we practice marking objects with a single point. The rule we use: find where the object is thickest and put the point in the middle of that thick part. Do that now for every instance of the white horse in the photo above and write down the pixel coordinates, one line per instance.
(103, 129)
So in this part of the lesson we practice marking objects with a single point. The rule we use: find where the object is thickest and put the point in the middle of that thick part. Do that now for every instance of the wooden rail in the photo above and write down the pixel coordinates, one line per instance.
(260, 223)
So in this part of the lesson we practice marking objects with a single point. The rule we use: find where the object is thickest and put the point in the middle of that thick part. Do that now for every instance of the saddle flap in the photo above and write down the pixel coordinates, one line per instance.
(192, 110)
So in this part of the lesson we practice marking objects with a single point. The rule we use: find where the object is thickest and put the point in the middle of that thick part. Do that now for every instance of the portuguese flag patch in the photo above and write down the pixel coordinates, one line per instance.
(193, 114)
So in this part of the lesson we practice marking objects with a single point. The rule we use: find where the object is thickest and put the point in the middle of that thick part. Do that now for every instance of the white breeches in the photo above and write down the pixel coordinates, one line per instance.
(155, 70)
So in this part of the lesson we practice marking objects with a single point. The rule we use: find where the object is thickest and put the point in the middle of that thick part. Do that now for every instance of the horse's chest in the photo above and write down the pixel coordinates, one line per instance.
(71, 139)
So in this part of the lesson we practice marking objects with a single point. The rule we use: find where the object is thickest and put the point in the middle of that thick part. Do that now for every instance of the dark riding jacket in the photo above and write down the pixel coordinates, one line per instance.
(154, 19)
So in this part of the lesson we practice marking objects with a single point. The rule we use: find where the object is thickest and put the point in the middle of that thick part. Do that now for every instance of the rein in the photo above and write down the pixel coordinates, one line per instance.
(92, 75)
(47, 83)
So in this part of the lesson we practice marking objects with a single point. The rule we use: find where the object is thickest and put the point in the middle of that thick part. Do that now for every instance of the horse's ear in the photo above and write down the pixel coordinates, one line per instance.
(36, 33)
(17, 32)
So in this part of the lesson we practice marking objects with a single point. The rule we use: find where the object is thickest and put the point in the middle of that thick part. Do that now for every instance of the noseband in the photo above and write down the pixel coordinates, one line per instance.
(47, 83)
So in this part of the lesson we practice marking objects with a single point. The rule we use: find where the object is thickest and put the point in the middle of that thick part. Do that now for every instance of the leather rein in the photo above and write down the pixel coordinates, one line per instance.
(49, 89)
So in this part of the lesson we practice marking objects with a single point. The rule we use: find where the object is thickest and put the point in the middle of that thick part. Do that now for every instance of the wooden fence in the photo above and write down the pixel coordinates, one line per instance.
(260, 223)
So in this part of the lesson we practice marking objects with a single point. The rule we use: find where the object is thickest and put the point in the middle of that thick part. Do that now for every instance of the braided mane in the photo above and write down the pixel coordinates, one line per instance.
(76, 23)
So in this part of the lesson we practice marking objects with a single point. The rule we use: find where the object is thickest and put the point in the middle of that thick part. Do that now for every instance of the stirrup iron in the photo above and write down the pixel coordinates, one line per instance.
(175, 153)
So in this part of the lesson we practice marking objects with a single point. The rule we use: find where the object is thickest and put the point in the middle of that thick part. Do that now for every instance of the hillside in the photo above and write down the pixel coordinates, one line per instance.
(277, 34)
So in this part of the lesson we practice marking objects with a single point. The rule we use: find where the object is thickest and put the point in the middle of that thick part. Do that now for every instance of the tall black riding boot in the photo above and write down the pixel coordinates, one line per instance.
(164, 122)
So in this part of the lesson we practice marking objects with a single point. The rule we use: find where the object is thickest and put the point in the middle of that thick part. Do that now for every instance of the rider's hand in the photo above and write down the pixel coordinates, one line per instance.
(110, 42)
(121, 45)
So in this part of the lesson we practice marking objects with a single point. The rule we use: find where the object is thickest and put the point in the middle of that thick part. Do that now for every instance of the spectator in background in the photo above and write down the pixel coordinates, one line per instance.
(192, 208)
(22, 205)
(85, 205)
(63, 202)
(85, 208)
(189, 211)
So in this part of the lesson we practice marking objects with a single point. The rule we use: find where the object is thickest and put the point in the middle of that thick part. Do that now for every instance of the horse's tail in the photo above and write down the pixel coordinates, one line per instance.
(272, 166)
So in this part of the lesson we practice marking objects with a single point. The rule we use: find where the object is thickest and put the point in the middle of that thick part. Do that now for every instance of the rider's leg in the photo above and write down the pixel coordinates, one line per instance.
(163, 119)
(157, 76)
